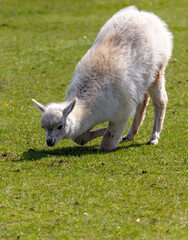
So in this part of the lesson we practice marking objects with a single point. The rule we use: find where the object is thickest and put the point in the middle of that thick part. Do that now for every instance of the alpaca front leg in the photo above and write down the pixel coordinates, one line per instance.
(89, 135)
(112, 136)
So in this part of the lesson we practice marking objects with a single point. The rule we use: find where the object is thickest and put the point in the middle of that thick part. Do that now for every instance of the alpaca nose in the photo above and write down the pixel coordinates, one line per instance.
(50, 141)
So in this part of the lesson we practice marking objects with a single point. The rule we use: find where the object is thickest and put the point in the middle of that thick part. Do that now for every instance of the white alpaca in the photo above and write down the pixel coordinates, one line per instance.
(114, 79)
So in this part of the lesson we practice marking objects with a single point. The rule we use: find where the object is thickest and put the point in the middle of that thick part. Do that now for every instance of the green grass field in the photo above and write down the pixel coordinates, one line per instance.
(71, 192)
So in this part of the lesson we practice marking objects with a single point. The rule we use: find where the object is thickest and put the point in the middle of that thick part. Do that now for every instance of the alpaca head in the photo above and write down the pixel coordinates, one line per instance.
(54, 120)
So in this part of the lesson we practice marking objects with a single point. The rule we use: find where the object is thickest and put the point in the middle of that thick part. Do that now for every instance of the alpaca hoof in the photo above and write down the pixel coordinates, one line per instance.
(80, 141)
(107, 148)
(153, 142)
(127, 138)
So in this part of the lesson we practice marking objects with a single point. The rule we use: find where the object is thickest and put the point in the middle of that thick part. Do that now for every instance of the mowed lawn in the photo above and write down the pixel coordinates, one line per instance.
(71, 192)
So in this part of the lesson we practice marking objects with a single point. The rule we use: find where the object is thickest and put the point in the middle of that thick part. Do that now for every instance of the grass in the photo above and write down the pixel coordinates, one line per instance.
(72, 192)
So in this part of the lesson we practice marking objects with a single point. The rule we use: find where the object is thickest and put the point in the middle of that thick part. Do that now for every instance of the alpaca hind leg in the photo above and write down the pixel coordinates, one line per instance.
(159, 97)
(138, 119)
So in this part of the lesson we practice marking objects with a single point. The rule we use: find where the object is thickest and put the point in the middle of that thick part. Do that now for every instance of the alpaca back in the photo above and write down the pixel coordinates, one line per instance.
(122, 64)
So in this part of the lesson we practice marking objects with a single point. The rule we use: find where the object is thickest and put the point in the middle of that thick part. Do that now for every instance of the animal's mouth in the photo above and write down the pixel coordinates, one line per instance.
(50, 141)
(50, 144)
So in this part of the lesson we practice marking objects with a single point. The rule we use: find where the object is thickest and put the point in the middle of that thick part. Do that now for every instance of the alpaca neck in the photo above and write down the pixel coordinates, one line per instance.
(77, 122)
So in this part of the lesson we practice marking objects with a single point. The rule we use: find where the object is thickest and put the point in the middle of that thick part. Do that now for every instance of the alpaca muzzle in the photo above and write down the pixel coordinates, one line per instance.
(50, 141)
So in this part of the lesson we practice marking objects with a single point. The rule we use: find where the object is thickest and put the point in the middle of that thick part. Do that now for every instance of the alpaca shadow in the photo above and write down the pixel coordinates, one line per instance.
(77, 151)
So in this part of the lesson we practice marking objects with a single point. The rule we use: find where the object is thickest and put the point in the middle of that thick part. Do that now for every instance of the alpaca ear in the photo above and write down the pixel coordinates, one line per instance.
(40, 106)
(69, 109)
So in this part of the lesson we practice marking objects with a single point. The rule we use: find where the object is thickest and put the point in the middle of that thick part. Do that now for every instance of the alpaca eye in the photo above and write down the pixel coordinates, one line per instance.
(60, 127)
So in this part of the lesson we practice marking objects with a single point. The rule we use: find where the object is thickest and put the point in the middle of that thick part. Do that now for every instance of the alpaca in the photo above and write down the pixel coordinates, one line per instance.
(114, 79)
